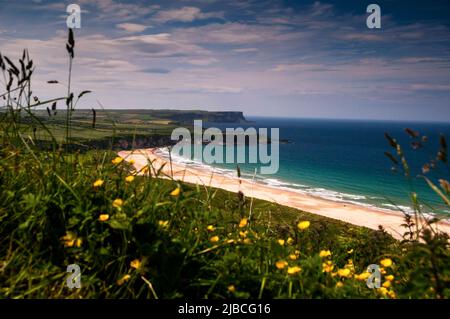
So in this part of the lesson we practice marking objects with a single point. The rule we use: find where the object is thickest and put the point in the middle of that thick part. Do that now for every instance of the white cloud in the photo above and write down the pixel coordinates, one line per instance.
(185, 14)
(132, 27)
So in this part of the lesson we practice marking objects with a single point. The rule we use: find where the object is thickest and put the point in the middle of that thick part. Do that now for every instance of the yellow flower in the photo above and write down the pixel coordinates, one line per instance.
(230, 241)
(98, 183)
(122, 280)
(163, 223)
(289, 241)
(281, 242)
(247, 241)
(214, 239)
(131, 161)
(103, 217)
(328, 266)
(383, 291)
(293, 270)
(281, 264)
(344, 272)
(69, 239)
(386, 284)
(303, 225)
(362, 276)
(231, 288)
(243, 234)
(78, 242)
(117, 160)
(387, 262)
(324, 253)
(243, 222)
(117, 203)
(349, 251)
(129, 178)
(210, 228)
(135, 264)
(339, 284)
(293, 256)
(175, 192)
(392, 294)
(390, 277)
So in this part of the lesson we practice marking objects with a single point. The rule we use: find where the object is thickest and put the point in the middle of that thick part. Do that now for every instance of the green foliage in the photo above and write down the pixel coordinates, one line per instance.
(147, 237)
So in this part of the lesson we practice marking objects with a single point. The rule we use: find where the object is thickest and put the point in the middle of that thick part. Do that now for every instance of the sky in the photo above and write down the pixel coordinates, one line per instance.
(306, 59)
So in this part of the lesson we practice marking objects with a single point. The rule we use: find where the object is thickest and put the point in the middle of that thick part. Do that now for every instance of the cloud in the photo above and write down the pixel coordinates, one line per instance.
(185, 14)
(156, 70)
(132, 27)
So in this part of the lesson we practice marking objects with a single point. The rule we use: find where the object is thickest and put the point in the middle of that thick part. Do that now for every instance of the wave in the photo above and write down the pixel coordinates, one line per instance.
(336, 196)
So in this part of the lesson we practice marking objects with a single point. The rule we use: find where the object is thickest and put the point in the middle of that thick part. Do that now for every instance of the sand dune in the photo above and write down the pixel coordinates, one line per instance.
(347, 212)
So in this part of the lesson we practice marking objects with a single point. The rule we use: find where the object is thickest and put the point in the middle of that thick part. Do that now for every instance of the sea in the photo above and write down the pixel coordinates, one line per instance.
(344, 161)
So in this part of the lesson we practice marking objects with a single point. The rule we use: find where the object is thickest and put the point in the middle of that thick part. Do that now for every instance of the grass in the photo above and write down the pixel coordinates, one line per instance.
(146, 237)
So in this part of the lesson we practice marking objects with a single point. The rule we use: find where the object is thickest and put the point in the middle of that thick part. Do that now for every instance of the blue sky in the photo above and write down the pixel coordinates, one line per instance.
(268, 58)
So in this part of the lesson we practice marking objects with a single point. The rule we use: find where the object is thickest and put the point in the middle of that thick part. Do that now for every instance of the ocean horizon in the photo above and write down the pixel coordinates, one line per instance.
(344, 161)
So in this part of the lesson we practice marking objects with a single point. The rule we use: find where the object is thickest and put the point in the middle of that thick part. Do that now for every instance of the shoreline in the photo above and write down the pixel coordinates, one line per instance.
(358, 215)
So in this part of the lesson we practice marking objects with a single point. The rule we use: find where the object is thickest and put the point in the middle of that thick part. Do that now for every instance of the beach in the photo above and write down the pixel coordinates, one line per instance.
(351, 213)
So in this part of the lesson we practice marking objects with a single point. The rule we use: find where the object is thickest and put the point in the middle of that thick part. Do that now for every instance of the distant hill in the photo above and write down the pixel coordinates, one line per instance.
(187, 116)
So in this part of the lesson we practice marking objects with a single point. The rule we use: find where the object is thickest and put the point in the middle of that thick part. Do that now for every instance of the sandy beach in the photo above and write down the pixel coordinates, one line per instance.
(351, 213)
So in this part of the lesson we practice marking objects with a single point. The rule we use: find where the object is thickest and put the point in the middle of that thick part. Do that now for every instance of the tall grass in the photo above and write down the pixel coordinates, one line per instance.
(142, 236)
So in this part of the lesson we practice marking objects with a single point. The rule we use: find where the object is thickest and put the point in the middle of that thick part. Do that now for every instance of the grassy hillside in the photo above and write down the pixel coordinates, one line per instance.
(138, 236)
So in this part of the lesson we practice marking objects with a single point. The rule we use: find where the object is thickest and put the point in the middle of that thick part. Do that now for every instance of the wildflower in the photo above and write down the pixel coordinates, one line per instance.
(382, 271)
(362, 276)
(392, 294)
(293, 257)
(324, 253)
(124, 279)
(214, 239)
(344, 272)
(163, 223)
(131, 161)
(387, 262)
(243, 234)
(230, 241)
(129, 178)
(350, 265)
(281, 264)
(117, 203)
(98, 183)
(350, 251)
(389, 277)
(117, 160)
(103, 217)
(303, 225)
(386, 284)
(243, 222)
(136, 264)
(175, 192)
(293, 270)
(289, 241)
(281, 242)
(327, 267)
(383, 291)
(210, 228)
(247, 241)
(78, 242)
(69, 239)
(339, 284)
(231, 288)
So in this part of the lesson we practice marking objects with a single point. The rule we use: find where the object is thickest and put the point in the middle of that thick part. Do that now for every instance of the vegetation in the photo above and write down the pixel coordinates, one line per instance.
(141, 236)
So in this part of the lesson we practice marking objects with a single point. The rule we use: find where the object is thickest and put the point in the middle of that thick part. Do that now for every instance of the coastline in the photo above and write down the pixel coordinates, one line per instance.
(358, 215)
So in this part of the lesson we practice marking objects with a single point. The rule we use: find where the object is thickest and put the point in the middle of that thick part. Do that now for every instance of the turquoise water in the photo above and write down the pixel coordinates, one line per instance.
(345, 161)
